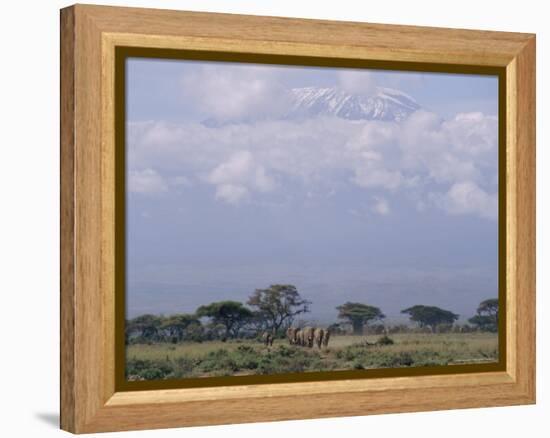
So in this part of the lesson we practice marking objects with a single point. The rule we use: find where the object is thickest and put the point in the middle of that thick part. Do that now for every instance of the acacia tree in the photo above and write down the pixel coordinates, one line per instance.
(278, 305)
(232, 315)
(359, 315)
(487, 315)
(430, 316)
(177, 325)
(258, 322)
(146, 326)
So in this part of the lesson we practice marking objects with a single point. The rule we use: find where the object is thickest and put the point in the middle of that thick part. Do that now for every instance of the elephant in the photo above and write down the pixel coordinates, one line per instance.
(267, 339)
(326, 338)
(307, 336)
(298, 337)
(291, 334)
(318, 336)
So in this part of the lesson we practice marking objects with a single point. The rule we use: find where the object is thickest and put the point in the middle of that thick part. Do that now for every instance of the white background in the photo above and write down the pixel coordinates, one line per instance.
(29, 216)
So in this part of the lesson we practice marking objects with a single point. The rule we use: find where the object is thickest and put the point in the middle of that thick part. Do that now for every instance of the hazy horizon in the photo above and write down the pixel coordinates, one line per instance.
(235, 183)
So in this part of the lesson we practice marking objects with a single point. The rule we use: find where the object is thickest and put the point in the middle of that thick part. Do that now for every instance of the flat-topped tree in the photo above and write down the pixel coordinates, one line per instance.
(487, 315)
(177, 324)
(490, 308)
(278, 305)
(359, 315)
(147, 326)
(430, 316)
(232, 315)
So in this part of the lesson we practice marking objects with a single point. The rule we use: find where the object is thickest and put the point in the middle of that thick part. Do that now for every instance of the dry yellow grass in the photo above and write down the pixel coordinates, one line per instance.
(454, 347)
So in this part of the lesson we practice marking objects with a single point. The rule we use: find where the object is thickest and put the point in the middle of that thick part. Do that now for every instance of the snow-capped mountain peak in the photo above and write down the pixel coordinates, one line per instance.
(384, 104)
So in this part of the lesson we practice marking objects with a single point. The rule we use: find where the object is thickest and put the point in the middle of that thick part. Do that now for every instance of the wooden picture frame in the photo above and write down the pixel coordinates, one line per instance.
(91, 398)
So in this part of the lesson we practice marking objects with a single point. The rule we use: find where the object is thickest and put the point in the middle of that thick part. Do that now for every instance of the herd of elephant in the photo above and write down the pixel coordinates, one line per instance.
(304, 337)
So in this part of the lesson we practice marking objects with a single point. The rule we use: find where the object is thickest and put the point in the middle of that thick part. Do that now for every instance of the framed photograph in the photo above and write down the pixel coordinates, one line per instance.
(271, 218)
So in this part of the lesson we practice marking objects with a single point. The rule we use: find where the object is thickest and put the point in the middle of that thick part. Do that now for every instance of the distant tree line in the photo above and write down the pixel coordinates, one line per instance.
(272, 309)
(275, 309)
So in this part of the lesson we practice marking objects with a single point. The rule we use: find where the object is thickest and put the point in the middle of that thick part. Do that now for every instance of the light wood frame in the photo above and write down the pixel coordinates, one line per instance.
(89, 36)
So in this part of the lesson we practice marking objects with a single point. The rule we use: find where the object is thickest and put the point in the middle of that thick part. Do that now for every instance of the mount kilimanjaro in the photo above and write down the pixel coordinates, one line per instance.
(385, 104)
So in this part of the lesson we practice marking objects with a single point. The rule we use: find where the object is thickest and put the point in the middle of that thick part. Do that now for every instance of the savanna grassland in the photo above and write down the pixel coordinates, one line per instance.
(250, 356)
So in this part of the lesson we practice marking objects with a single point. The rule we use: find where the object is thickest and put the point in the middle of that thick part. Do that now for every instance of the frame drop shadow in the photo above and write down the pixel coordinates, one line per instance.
(50, 418)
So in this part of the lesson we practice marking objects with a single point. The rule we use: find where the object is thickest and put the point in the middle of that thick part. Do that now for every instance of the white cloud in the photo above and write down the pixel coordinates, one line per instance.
(146, 181)
(370, 177)
(381, 207)
(236, 93)
(424, 154)
(181, 181)
(235, 176)
(262, 181)
(468, 198)
(450, 151)
(231, 193)
(357, 81)
(236, 168)
(473, 133)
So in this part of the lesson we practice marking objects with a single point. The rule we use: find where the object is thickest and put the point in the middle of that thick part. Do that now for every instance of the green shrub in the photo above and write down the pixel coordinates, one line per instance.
(385, 340)
(153, 374)
(148, 369)
(184, 367)
(245, 349)
(285, 351)
(246, 357)
(403, 359)
(352, 352)
(217, 360)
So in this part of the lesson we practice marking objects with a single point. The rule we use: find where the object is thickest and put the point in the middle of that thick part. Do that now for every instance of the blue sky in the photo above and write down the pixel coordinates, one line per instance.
(392, 213)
